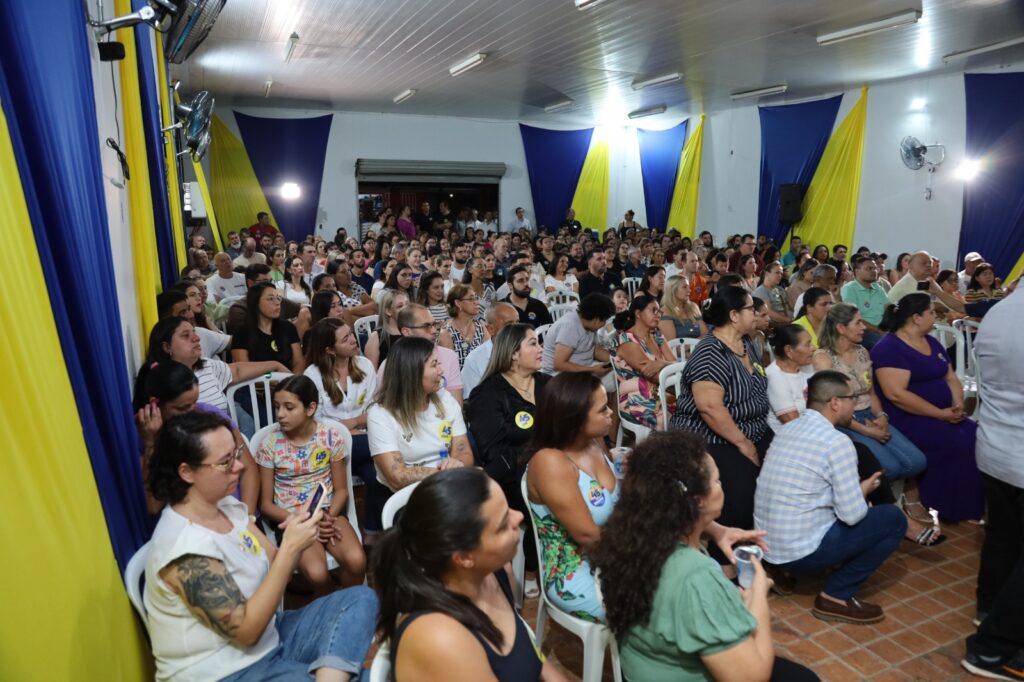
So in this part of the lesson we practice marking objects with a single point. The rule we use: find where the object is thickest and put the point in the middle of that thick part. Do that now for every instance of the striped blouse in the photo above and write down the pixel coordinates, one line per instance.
(746, 393)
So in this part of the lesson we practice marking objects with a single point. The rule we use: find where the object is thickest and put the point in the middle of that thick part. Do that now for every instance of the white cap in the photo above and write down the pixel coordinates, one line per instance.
(973, 255)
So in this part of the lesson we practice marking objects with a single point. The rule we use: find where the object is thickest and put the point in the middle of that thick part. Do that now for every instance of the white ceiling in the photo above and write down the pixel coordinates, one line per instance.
(357, 55)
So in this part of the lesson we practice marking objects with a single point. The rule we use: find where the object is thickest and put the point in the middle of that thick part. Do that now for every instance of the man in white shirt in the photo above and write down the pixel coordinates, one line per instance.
(307, 254)
(250, 255)
(460, 258)
(971, 263)
(499, 316)
(998, 647)
(920, 277)
(521, 222)
(416, 320)
(226, 282)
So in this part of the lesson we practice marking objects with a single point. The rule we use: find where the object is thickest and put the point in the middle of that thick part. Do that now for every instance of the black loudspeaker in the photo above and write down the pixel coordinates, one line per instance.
(790, 198)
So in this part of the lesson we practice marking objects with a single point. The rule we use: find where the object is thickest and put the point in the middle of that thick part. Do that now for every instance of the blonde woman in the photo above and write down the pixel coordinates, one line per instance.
(382, 338)
(465, 330)
(680, 317)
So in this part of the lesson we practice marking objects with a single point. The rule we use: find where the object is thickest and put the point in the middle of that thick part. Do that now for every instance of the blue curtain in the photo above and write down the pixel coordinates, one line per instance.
(793, 138)
(993, 217)
(660, 151)
(554, 160)
(155, 151)
(47, 95)
(287, 150)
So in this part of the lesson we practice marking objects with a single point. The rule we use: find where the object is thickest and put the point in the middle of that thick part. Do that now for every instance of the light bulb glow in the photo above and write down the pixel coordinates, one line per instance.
(290, 190)
(968, 169)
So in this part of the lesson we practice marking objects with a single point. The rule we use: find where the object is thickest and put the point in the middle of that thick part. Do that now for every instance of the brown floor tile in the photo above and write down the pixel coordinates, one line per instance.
(807, 624)
(890, 651)
(866, 662)
(938, 633)
(837, 671)
(892, 675)
(906, 614)
(927, 605)
(913, 641)
(835, 642)
(807, 652)
(920, 669)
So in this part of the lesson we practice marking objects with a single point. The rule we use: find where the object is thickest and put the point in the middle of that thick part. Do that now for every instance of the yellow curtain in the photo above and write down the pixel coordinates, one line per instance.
(237, 194)
(170, 161)
(591, 197)
(830, 205)
(682, 216)
(211, 215)
(65, 612)
(1017, 270)
(140, 201)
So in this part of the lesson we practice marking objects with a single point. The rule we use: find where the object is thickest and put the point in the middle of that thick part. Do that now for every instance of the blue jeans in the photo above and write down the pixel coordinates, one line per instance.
(332, 632)
(899, 457)
(860, 549)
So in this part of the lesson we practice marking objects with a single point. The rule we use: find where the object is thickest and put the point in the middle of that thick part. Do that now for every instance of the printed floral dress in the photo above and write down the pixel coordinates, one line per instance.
(638, 396)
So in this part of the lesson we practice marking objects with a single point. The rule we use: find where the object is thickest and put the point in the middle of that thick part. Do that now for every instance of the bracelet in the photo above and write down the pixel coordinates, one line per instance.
(881, 414)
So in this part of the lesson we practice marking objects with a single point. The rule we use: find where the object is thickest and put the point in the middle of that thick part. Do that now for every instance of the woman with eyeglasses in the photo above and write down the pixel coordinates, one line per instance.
(265, 336)
(214, 581)
(464, 331)
(294, 285)
(476, 277)
(640, 354)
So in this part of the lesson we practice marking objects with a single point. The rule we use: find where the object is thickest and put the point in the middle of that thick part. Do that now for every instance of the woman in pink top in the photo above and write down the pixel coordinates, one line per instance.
(405, 224)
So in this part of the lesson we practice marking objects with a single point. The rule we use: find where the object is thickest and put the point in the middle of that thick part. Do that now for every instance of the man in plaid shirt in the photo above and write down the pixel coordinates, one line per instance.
(813, 504)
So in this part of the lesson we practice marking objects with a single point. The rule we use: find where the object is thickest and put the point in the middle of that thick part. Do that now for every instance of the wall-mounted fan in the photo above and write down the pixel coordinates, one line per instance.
(194, 121)
(916, 156)
(190, 23)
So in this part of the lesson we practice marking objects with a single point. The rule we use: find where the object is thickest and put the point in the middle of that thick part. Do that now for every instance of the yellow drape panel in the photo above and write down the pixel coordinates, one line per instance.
(65, 612)
(237, 194)
(591, 197)
(1017, 270)
(140, 201)
(170, 161)
(830, 205)
(682, 216)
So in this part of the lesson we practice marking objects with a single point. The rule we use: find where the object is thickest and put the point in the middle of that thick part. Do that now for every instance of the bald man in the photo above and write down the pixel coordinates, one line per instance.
(920, 277)
(499, 316)
(249, 254)
(225, 282)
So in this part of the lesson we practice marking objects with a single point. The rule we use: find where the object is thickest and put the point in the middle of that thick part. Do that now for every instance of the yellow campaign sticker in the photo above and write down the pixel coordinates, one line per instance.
(247, 542)
(321, 458)
(273, 345)
(361, 399)
(867, 378)
(758, 368)
(445, 431)
(524, 420)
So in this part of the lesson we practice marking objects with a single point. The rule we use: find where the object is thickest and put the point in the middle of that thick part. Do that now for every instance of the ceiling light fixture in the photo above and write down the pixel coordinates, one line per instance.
(585, 4)
(289, 49)
(918, 104)
(657, 80)
(266, 87)
(968, 169)
(467, 64)
(404, 95)
(290, 190)
(870, 28)
(558, 106)
(983, 49)
(649, 111)
(761, 92)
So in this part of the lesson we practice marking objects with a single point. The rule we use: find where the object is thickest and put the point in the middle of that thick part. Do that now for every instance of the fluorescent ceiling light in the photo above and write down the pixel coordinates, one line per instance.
(584, 4)
(467, 64)
(870, 28)
(289, 49)
(558, 106)
(918, 104)
(649, 111)
(404, 95)
(983, 49)
(290, 190)
(657, 80)
(761, 92)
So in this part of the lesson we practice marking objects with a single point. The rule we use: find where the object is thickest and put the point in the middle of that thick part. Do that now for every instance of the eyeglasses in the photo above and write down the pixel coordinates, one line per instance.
(226, 466)
(747, 307)
(426, 325)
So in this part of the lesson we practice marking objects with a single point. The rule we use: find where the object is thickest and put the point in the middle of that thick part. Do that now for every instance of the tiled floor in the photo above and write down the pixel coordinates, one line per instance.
(928, 597)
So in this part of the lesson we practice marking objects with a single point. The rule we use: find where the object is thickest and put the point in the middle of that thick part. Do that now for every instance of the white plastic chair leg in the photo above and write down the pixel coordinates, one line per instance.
(594, 644)
(519, 571)
(542, 620)
(616, 665)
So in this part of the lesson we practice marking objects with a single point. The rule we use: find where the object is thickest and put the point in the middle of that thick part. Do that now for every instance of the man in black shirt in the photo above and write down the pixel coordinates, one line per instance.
(531, 311)
(597, 279)
(444, 219)
(570, 222)
(424, 225)
(577, 263)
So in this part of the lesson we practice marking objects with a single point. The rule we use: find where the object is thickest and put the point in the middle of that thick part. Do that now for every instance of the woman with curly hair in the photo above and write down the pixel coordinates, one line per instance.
(675, 615)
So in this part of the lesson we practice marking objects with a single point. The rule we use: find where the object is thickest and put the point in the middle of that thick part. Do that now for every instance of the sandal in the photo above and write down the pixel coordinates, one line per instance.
(904, 504)
(930, 536)
(531, 589)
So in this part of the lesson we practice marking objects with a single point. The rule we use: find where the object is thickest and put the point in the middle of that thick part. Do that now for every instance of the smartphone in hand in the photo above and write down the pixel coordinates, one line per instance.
(314, 502)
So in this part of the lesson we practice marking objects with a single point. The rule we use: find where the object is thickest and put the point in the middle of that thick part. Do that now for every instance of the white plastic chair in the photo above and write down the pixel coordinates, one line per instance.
(395, 503)
(631, 284)
(558, 311)
(268, 410)
(562, 298)
(134, 572)
(380, 669)
(353, 518)
(945, 334)
(541, 331)
(669, 377)
(682, 348)
(596, 637)
(967, 359)
(363, 327)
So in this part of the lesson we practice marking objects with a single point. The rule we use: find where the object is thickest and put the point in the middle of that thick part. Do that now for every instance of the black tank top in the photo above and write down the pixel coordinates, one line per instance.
(522, 664)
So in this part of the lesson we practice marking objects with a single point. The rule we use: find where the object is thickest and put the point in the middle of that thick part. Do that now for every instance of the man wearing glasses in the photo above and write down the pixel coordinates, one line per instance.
(812, 503)
(747, 244)
(416, 320)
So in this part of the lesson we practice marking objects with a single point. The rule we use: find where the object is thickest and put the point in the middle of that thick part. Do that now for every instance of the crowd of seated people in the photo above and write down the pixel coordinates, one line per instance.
(816, 416)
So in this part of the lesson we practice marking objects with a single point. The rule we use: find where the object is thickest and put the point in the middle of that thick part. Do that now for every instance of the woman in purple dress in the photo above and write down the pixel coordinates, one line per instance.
(924, 400)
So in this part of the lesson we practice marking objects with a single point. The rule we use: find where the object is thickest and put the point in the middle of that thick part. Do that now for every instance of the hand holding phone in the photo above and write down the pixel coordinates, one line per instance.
(314, 501)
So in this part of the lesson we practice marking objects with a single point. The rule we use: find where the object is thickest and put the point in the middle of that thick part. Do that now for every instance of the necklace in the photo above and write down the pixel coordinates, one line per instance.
(527, 389)
(739, 355)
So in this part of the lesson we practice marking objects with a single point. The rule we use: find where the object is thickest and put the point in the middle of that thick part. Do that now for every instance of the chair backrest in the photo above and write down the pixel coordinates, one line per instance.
(346, 436)
(682, 348)
(562, 298)
(231, 300)
(541, 331)
(266, 381)
(558, 311)
(670, 377)
(966, 356)
(380, 669)
(631, 284)
(363, 327)
(395, 503)
(134, 573)
(945, 334)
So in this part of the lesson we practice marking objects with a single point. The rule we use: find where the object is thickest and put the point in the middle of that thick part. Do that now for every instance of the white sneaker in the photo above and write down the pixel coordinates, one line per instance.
(531, 590)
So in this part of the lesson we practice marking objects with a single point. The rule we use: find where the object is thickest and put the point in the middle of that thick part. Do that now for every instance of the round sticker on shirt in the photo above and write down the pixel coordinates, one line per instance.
(531, 316)
(524, 420)
(867, 378)
(444, 382)
(247, 542)
(758, 368)
(464, 345)
(445, 431)
(273, 345)
(361, 399)
(320, 458)
(596, 494)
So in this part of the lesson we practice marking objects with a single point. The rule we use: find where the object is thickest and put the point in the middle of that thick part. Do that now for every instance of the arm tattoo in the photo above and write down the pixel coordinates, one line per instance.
(406, 475)
(210, 593)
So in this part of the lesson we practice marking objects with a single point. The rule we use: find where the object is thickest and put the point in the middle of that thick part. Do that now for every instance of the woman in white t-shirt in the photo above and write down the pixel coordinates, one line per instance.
(559, 279)
(415, 429)
(214, 581)
(294, 286)
(788, 375)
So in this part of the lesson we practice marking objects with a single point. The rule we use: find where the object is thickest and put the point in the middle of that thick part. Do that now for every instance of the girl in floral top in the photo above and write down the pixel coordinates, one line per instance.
(298, 454)
(640, 355)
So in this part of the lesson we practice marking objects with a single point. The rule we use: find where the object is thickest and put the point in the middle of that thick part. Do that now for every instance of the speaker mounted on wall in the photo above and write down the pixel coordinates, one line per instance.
(791, 195)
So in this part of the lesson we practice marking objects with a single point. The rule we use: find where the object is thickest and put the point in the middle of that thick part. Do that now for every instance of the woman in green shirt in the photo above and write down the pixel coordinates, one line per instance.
(674, 613)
